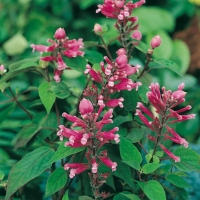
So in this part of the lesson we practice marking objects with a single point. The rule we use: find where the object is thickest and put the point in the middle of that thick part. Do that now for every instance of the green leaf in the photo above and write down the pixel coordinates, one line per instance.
(63, 152)
(143, 47)
(163, 63)
(84, 198)
(177, 181)
(129, 153)
(1, 175)
(117, 121)
(78, 63)
(56, 181)
(182, 58)
(25, 135)
(142, 91)
(13, 74)
(46, 96)
(90, 44)
(190, 160)
(60, 89)
(130, 196)
(154, 191)
(65, 197)
(151, 22)
(29, 167)
(15, 45)
(111, 35)
(93, 56)
(150, 167)
(5, 112)
(26, 65)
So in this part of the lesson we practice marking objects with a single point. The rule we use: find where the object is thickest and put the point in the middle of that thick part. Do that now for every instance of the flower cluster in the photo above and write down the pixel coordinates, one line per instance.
(89, 134)
(114, 78)
(118, 9)
(60, 46)
(164, 104)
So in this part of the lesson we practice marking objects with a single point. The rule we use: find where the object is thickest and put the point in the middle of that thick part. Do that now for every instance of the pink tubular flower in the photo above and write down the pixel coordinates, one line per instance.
(170, 154)
(108, 163)
(57, 74)
(94, 166)
(155, 41)
(177, 139)
(115, 102)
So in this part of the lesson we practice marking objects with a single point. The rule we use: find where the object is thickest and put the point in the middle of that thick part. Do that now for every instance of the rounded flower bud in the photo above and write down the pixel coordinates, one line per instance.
(155, 41)
(121, 51)
(122, 61)
(60, 34)
(119, 3)
(137, 35)
(98, 29)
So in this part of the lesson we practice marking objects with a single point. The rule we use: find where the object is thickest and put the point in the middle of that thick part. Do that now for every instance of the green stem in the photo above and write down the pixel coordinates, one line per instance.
(20, 105)
(106, 48)
(149, 54)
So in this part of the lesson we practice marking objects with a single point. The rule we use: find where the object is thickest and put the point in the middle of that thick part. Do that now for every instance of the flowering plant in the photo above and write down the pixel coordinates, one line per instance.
(120, 131)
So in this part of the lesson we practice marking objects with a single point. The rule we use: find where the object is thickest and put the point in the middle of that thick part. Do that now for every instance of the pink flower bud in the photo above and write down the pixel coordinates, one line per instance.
(121, 51)
(98, 29)
(136, 35)
(60, 34)
(85, 107)
(119, 3)
(122, 61)
(155, 41)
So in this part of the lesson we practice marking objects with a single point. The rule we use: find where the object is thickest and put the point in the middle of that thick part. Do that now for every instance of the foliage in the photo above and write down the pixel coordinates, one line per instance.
(101, 97)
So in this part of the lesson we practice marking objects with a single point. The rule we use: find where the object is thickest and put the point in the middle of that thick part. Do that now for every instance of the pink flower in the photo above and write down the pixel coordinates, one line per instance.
(122, 61)
(155, 41)
(85, 107)
(108, 163)
(60, 34)
(60, 62)
(57, 74)
(115, 102)
(170, 154)
(94, 166)
(121, 51)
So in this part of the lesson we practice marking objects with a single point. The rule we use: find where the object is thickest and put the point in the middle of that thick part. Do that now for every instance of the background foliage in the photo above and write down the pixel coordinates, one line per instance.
(24, 22)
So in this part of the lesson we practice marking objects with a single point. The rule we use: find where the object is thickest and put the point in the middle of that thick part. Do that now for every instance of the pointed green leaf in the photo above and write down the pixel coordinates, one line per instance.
(16, 65)
(164, 63)
(13, 74)
(78, 63)
(84, 198)
(26, 134)
(143, 47)
(56, 181)
(190, 160)
(63, 152)
(129, 152)
(150, 167)
(154, 191)
(60, 89)
(142, 91)
(65, 197)
(130, 196)
(29, 167)
(93, 56)
(177, 181)
(46, 96)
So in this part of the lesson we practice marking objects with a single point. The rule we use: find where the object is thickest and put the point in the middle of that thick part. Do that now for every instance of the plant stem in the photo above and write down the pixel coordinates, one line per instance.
(106, 48)
(19, 104)
(149, 54)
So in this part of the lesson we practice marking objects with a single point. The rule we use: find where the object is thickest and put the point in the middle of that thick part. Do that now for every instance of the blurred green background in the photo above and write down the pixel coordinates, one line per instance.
(26, 22)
